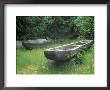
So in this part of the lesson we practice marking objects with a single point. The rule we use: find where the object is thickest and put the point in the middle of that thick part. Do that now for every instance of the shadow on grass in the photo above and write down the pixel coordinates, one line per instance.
(60, 63)
(65, 67)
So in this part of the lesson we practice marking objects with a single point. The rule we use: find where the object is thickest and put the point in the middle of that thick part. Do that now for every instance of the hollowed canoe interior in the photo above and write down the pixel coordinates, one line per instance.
(80, 43)
(68, 47)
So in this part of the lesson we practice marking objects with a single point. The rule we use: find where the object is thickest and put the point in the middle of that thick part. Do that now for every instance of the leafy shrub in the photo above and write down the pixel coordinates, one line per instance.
(85, 25)
(78, 58)
(55, 27)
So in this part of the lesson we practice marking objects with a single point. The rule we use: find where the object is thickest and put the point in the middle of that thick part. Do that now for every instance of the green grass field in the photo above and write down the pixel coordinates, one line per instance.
(34, 62)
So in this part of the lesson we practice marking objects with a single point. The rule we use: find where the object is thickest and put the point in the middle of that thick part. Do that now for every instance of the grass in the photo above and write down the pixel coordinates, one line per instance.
(34, 62)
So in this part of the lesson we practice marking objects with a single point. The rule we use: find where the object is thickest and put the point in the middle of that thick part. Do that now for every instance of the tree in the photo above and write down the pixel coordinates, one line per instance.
(85, 25)
(54, 27)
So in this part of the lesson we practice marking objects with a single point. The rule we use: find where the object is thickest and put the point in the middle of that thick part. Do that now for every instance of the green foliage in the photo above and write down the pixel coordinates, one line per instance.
(78, 58)
(54, 27)
(85, 25)
(20, 27)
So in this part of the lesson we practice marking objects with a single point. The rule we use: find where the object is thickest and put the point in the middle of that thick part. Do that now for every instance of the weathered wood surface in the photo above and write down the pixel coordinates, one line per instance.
(66, 52)
(31, 44)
